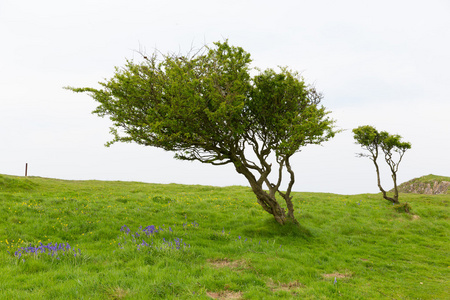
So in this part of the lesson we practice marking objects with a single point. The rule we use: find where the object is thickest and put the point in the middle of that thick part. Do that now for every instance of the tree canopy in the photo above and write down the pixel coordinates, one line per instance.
(390, 144)
(208, 107)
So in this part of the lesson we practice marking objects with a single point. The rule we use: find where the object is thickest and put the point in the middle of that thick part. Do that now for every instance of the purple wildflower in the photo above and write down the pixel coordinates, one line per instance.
(150, 230)
(125, 229)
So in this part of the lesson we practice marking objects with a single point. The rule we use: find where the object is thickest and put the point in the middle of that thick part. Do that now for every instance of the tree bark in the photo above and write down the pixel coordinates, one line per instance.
(385, 196)
(394, 178)
(290, 207)
(287, 196)
(267, 201)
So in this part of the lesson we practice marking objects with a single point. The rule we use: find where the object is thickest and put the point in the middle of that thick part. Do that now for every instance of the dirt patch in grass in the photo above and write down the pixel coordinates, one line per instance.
(226, 263)
(337, 275)
(116, 293)
(225, 295)
(290, 286)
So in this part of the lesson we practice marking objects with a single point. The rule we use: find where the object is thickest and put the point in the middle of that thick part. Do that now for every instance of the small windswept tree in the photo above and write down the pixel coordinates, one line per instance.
(390, 145)
(207, 107)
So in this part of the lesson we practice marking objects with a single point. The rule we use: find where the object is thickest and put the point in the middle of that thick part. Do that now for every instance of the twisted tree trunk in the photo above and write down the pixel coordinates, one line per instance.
(269, 204)
(267, 200)
(385, 196)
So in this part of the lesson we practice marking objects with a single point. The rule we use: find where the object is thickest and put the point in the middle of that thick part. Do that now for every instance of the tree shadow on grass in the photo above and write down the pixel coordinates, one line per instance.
(270, 228)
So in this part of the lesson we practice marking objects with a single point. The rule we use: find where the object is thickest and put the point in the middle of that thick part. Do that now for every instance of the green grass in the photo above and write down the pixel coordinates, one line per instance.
(432, 178)
(233, 248)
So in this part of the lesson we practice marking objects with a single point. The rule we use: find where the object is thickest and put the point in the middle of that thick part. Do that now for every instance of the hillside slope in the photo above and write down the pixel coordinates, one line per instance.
(430, 185)
(68, 239)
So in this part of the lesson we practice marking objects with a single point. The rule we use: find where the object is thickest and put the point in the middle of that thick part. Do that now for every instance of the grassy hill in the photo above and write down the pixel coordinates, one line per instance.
(129, 240)
(430, 184)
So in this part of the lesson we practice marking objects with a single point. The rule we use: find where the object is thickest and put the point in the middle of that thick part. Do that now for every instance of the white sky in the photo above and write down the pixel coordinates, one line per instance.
(381, 63)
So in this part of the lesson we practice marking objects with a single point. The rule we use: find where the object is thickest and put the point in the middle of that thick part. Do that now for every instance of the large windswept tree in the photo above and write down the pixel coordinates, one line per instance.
(208, 107)
(391, 146)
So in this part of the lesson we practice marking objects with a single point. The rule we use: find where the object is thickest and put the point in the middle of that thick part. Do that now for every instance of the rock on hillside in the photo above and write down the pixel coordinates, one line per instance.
(430, 184)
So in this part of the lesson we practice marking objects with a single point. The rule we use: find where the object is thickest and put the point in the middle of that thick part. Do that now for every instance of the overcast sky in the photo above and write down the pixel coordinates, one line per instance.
(381, 63)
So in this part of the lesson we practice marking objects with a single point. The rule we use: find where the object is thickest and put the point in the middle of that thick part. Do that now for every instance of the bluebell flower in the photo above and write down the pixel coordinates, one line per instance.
(150, 229)
(125, 229)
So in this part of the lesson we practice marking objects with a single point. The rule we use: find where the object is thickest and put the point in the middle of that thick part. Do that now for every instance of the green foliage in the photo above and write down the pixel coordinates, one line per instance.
(285, 112)
(351, 247)
(367, 136)
(370, 139)
(393, 143)
(208, 107)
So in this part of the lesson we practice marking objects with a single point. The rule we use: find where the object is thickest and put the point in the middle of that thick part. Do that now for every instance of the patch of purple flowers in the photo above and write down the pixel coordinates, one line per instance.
(125, 229)
(51, 250)
(149, 230)
(153, 238)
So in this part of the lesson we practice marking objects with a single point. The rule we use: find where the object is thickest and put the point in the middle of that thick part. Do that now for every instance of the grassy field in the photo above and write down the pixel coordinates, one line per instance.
(127, 240)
